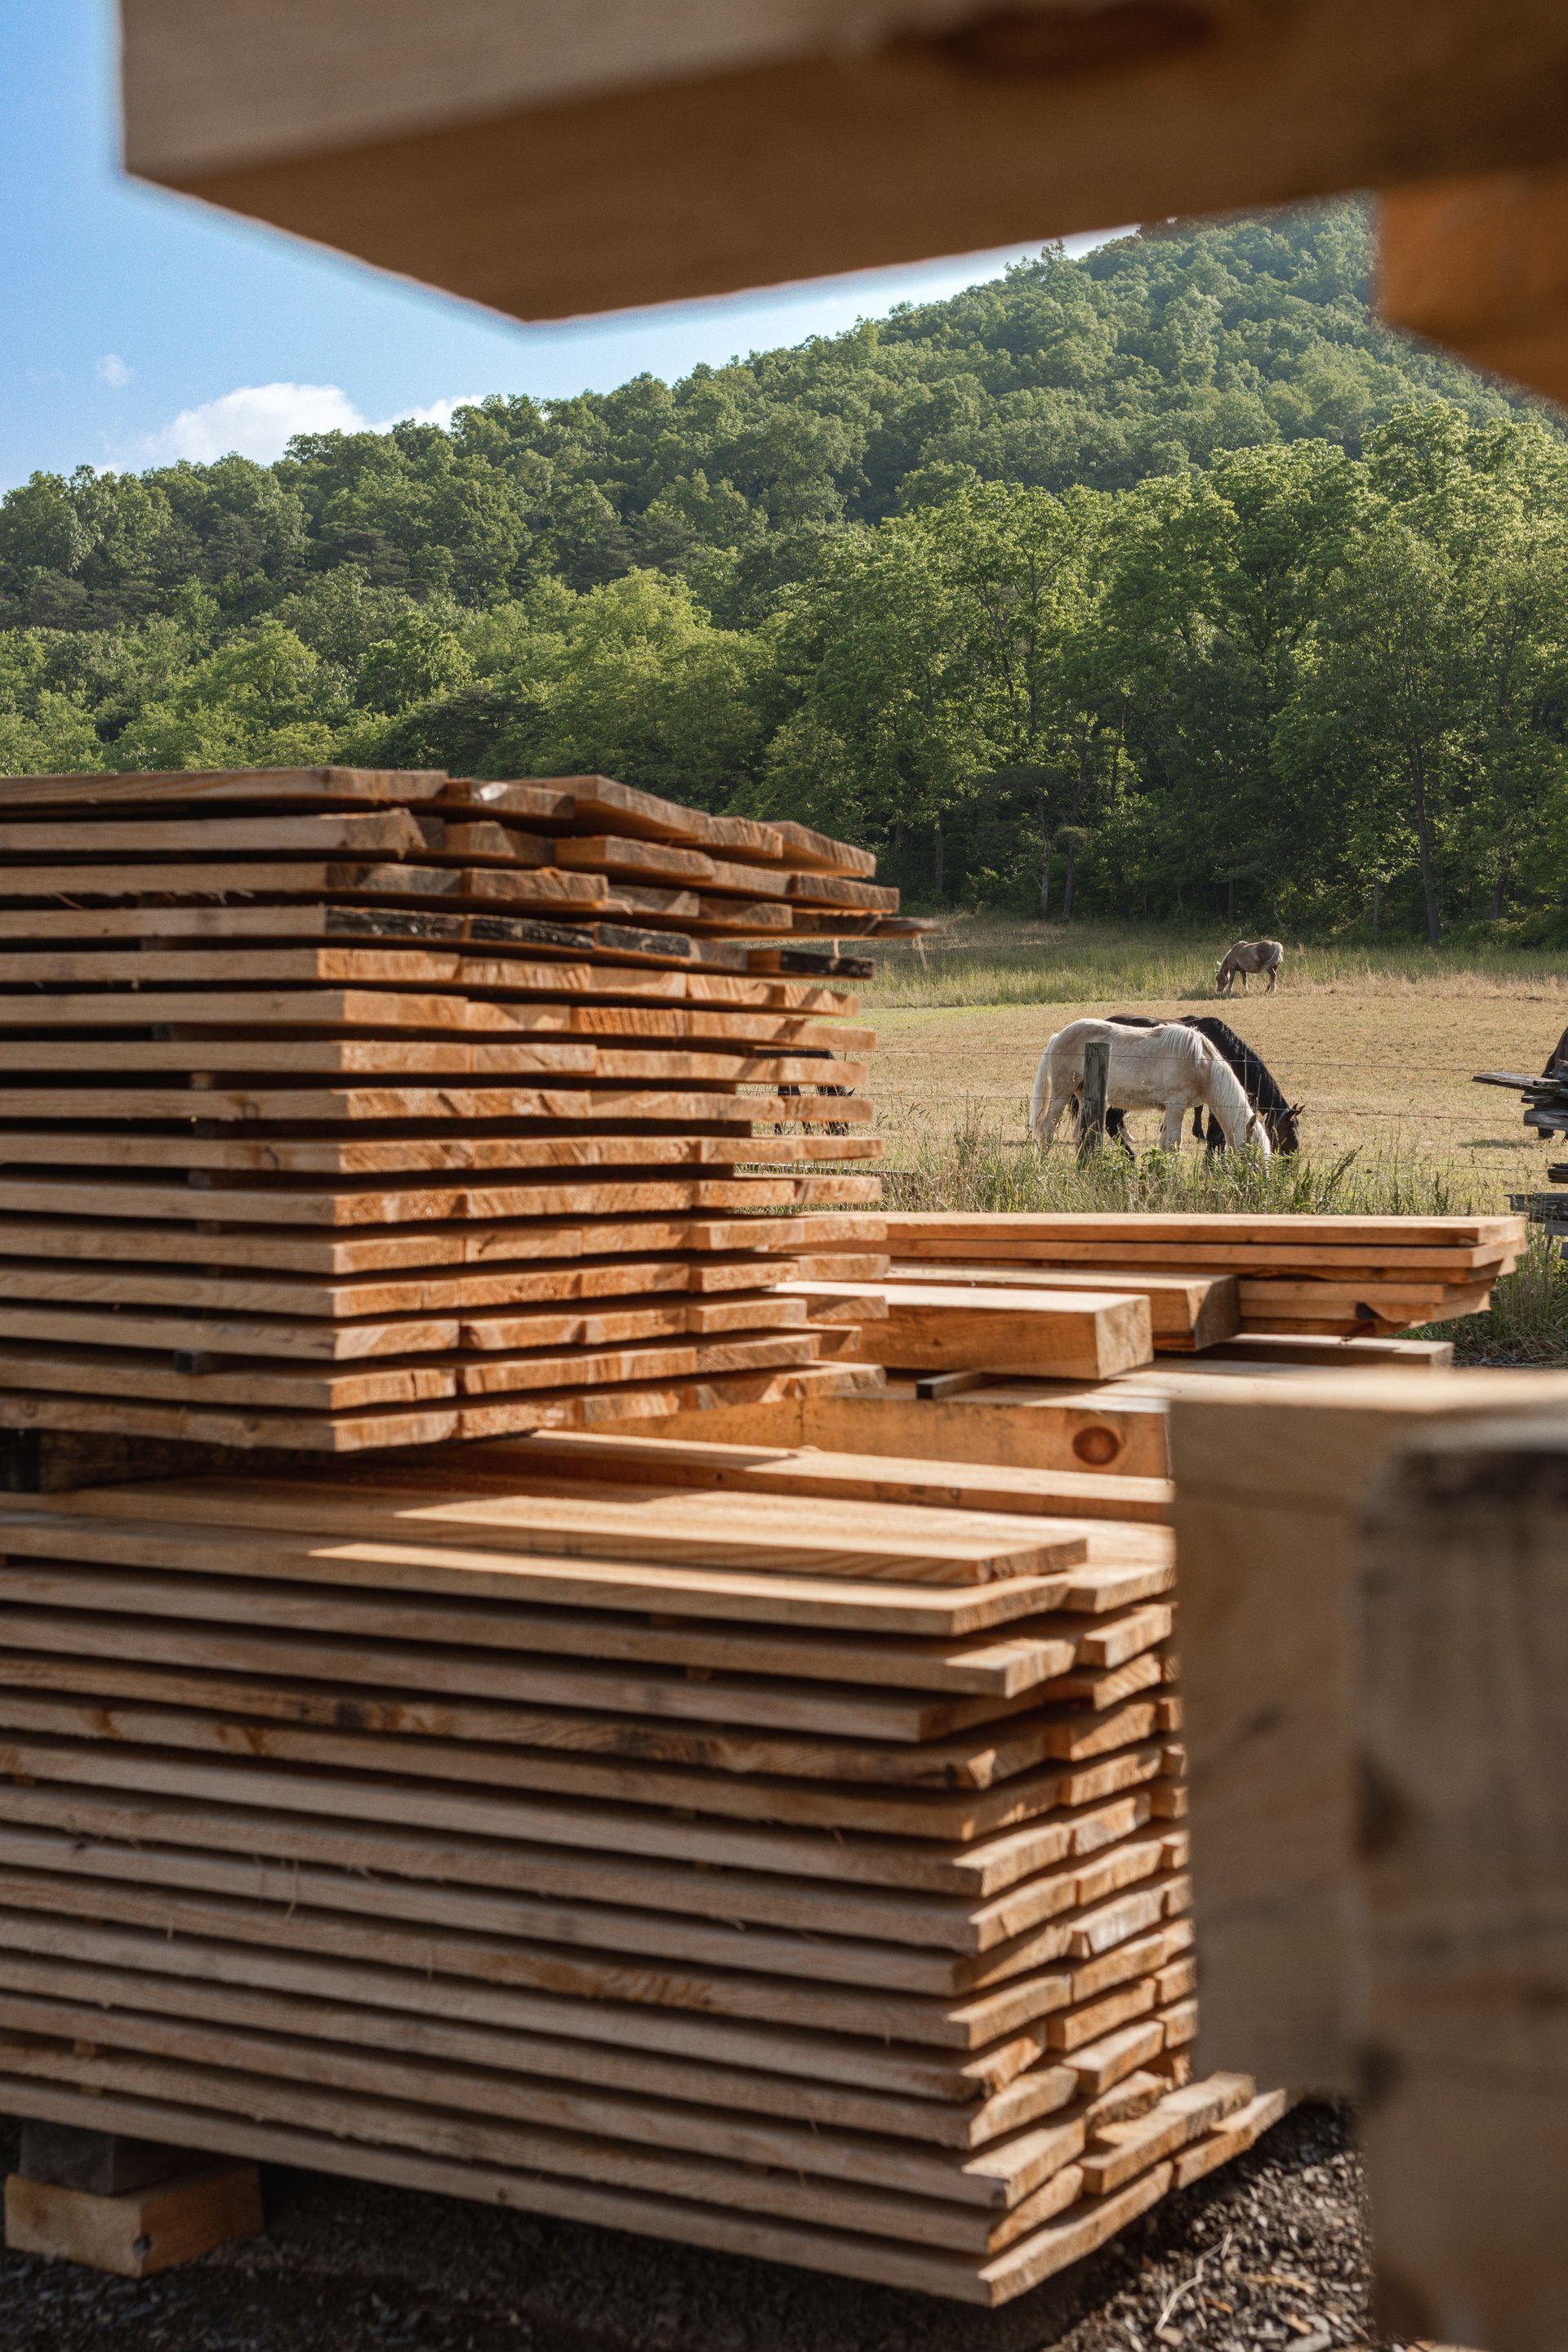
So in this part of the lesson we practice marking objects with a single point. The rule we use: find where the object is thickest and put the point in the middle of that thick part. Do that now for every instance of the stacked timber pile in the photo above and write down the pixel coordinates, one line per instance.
(1545, 1100)
(804, 1881)
(349, 1108)
(1094, 1297)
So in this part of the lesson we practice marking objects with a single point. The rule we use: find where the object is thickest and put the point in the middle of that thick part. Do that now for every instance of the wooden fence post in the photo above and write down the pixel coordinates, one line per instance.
(1091, 1104)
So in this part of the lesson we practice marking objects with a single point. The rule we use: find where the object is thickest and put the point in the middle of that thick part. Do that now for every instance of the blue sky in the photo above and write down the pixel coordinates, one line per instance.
(142, 327)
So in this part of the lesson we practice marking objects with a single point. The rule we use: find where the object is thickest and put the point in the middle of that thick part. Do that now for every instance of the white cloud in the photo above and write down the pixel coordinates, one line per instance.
(439, 412)
(111, 369)
(258, 420)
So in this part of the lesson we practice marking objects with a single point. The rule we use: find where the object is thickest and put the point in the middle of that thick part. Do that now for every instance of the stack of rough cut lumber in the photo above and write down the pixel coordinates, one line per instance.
(1090, 1297)
(348, 1108)
(797, 1872)
(1546, 1111)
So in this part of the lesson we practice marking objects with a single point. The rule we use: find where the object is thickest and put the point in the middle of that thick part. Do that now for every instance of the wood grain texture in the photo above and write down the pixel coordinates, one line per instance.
(744, 147)
(1269, 1476)
(1461, 1606)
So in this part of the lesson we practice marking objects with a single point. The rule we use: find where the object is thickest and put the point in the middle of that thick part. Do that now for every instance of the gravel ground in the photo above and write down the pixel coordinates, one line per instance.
(1270, 2252)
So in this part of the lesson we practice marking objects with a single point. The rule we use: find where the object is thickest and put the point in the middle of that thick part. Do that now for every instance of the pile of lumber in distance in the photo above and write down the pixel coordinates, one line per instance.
(1090, 1297)
(1546, 1111)
(804, 1879)
(348, 1108)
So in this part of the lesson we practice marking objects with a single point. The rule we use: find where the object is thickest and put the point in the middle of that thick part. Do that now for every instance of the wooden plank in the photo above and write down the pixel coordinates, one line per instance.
(1186, 1311)
(346, 1253)
(610, 1890)
(1459, 1581)
(946, 1817)
(763, 1469)
(337, 1007)
(122, 1284)
(290, 2042)
(369, 1201)
(1089, 1335)
(937, 2093)
(204, 787)
(460, 1564)
(882, 2260)
(455, 1107)
(228, 1632)
(341, 1868)
(361, 1155)
(1379, 1233)
(1474, 262)
(205, 1673)
(592, 1816)
(339, 1436)
(549, 2057)
(1267, 1476)
(386, 833)
(562, 1516)
(1028, 2018)
(396, 2117)
(994, 1669)
(1338, 1355)
(618, 1324)
(410, 1382)
(1026, 1425)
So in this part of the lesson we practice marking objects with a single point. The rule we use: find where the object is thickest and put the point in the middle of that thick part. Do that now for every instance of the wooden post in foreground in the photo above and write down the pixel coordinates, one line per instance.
(1269, 1479)
(1092, 1103)
(1460, 1610)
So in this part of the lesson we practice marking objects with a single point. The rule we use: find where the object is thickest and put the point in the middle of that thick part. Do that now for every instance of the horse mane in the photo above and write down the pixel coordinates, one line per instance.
(1227, 1097)
(1263, 1089)
(1262, 1086)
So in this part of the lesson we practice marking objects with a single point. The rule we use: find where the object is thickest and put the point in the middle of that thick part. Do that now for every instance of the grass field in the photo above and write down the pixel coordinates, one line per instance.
(1380, 1046)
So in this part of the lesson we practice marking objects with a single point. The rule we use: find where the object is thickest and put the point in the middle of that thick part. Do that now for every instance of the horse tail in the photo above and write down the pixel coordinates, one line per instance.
(1226, 1097)
(1042, 1089)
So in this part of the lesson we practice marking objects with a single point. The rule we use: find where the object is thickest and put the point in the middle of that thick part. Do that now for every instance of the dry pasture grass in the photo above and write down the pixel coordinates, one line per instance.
(1381, 1052)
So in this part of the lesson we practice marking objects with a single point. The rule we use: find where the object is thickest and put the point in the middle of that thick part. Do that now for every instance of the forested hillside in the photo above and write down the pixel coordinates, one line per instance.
(1162, 580)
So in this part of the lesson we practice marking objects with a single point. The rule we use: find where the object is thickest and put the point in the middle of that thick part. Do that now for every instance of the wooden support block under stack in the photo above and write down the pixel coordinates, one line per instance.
(806, 1878)
(127, 2206)
(1268, 1478)
(346, 1109)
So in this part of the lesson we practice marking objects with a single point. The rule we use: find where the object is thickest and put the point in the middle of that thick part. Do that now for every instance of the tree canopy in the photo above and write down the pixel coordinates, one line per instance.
(1157, 581)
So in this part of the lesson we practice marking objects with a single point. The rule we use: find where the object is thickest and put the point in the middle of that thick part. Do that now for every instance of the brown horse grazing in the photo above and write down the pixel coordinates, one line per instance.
(1248, 956)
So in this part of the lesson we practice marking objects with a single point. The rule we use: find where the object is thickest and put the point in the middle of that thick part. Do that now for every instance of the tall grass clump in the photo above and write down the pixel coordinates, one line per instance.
(1527, 1322)
(979, 1167)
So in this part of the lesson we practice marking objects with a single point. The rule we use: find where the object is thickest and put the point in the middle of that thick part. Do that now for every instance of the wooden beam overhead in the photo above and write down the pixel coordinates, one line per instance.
(546, 159)
(1479, 263)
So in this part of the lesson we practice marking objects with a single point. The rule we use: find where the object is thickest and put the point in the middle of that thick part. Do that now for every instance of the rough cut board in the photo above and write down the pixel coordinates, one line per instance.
(1268, 1477)
(1084, 1335)
(1186, 1311)
(1461, 1617)
(763, 1469)
(763, 143)
(1015, 1423)
(615, 1872)
(644, 1038)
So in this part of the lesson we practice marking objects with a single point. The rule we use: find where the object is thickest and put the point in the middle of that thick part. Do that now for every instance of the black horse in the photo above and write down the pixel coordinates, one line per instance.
(1262, 1089)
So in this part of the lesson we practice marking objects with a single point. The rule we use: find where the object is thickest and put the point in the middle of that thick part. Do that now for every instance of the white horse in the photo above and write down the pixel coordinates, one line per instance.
(1247, 956)
(1172, 1069)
